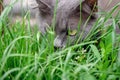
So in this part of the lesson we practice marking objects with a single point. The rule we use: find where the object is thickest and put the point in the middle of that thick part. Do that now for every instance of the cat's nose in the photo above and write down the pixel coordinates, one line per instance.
(59, 43)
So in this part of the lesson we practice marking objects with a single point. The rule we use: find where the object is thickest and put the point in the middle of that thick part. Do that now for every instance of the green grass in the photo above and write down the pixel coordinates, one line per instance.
(25, 54)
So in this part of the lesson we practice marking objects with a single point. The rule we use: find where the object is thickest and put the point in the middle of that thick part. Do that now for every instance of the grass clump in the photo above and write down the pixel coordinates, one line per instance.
(28, 55)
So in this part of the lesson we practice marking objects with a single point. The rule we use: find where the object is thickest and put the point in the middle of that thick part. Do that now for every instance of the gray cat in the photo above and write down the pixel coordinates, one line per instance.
(69, 14)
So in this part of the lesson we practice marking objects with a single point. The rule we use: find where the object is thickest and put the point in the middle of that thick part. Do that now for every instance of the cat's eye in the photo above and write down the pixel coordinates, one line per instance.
(72, 32)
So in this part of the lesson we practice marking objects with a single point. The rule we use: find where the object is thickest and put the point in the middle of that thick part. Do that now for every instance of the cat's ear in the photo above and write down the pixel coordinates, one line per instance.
(44, 6)
(87, 6)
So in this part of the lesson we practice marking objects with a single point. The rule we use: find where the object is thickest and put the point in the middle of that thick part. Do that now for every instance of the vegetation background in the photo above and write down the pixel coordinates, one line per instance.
(25, 54)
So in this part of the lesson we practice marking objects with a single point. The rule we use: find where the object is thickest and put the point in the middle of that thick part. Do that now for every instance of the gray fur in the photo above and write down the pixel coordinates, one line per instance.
(20, 8)
(67, 18)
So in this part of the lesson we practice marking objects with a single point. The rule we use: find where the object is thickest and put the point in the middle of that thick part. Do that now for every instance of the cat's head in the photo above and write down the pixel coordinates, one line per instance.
(74, 18)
